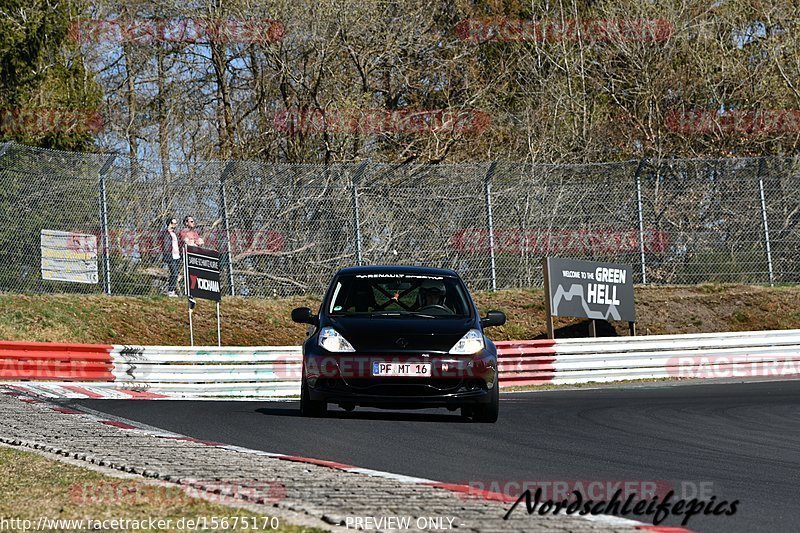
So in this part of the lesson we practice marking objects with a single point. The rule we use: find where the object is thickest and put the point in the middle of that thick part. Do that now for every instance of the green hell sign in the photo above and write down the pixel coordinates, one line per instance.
(587, 289)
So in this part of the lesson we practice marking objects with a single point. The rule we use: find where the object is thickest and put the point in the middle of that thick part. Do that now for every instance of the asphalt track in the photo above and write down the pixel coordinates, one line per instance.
(733, 441)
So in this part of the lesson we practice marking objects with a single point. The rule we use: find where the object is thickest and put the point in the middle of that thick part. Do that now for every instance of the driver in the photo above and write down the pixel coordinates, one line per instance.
(431, 292)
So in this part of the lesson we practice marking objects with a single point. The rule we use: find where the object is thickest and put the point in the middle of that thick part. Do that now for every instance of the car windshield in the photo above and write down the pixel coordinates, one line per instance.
(399, 295)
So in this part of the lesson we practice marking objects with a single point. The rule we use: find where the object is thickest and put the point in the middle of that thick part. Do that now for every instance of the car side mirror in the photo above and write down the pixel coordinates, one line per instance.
(303, 315)
(493, 318)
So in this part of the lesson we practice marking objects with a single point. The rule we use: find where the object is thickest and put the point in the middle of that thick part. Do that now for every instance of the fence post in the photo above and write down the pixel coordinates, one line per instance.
(487, 182)
(226, 223)
(359, 172)
(641, 217)
(4, 148)
(764, 218)
(104, 224)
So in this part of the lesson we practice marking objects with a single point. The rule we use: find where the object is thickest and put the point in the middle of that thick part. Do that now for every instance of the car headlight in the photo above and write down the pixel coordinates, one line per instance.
(470, 343)
(332, 340)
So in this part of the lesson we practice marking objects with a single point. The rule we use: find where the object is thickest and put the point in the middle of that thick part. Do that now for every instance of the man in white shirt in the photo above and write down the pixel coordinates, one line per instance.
(172, 254)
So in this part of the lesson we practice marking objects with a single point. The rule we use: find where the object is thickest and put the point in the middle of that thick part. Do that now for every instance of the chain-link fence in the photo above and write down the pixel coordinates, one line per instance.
(285, 229)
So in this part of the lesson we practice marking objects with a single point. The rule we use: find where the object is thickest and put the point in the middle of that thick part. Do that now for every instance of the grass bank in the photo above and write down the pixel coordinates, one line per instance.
(49, 493)
(251, 322)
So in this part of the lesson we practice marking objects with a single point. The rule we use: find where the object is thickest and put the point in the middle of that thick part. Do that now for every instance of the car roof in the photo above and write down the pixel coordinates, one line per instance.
(397, 269)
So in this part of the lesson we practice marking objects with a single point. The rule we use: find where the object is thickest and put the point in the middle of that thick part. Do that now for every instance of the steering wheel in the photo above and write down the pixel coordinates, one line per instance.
(437, 307)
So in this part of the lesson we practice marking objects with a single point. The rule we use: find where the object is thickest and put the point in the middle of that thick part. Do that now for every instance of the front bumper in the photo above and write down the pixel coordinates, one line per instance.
(454, 381)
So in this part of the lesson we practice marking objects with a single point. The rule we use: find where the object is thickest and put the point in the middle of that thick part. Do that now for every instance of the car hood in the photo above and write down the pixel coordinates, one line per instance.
(401, 334)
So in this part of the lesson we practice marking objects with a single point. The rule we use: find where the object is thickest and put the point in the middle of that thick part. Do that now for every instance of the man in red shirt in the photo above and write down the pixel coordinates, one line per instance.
(189, 234)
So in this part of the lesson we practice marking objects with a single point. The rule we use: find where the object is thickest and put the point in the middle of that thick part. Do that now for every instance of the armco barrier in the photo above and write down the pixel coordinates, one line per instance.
(68, 362)
(178, 371)
(274, 371)
(703, 355)
(117, 371)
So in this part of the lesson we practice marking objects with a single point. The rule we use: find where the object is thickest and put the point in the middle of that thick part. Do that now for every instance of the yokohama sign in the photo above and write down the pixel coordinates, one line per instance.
(516, 240)
(202, 269)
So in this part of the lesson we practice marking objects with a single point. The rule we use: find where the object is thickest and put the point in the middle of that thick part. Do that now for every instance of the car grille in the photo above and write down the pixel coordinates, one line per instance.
(399, 383)
(400, 386)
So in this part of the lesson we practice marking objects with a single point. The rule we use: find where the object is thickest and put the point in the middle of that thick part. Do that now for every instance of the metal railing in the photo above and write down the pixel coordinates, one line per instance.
(150, 372)
(745, 354)
(284, 229)
(169, 372)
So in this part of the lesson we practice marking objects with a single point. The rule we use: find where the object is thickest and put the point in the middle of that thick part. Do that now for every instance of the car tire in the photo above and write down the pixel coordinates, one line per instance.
(488, 412)
(309, 407)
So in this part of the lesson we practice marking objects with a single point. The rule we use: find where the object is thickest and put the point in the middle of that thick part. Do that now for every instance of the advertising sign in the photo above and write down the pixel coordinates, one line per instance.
(69, 256)
(202, 267)
(587, 289)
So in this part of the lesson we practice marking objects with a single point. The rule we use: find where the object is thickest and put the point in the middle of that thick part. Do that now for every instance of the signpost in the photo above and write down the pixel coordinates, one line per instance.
(201, 277)
(588, 289)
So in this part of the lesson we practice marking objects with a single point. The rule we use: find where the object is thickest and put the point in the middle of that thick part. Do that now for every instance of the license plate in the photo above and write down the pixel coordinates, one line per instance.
(401, 369)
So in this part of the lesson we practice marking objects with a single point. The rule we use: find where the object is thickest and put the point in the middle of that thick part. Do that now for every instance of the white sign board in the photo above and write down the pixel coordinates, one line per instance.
(68, 256)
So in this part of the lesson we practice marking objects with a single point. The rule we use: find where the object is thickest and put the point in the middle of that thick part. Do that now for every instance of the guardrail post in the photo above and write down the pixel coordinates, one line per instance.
(487, 181)
(641, 218)
(226, 224)
(764, 219)
(104, 224)
(356, 178)
(548, 298)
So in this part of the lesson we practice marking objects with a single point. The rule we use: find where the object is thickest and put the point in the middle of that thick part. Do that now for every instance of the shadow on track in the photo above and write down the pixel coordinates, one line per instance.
(370, 415)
